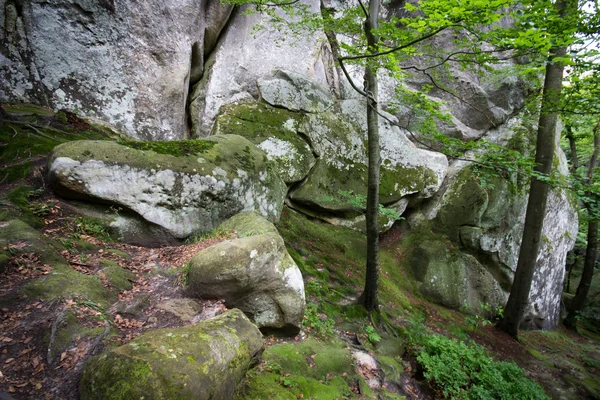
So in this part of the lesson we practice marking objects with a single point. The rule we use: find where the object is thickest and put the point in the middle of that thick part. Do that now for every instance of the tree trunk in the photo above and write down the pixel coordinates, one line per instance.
(586, 277)
(369, 296)
(573, 147)
(591, 250)
(518, 299)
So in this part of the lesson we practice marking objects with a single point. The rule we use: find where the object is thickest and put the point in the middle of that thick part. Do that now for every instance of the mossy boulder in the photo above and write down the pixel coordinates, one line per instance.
(254, 273)
(273, 130)
(185, 189)
(119, 278)
(483, 217)
(454, 279)
(201, 362)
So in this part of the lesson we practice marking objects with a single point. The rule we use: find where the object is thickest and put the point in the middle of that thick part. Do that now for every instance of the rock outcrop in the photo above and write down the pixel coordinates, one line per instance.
(485, 221)
(129, 64)
(254, 273)
(184, 187)
(205, 361)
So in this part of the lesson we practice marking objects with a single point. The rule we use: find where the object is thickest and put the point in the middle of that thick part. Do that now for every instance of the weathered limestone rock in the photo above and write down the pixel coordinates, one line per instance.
(273, 130)
(254, 273)
(203, 361)
(340, 143)
(184, 187)
(295, 92)
(126, 63)
(241, 57)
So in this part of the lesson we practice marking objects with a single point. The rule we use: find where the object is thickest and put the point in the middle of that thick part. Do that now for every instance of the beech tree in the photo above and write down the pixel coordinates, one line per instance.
(560, 22)
(582, 128)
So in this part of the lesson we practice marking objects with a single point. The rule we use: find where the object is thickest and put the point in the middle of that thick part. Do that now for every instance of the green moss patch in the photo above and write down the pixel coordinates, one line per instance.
(311, 369)
(173, 148)
(35, 131)
(203, 361)
(333, 261)
(64, 282)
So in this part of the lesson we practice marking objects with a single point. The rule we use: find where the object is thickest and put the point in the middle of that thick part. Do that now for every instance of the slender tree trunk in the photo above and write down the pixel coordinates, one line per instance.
(369, 297)
(591, 250)
(518, 299)
(586, 278)
(573, 147)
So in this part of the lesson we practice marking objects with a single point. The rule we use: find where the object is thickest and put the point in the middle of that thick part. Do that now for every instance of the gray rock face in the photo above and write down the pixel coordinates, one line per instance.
(294, 91)
(203, 361)
(454, 279)
(182, 194)
(488, 223)
(254, 273)
(241, 58)
(130, 64)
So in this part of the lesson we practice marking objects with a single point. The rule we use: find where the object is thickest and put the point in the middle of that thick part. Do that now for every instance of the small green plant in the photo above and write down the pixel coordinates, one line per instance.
(316, 288)
(91, 227)
(183, 276)
(285, 381)
(477, 321)
(372, 334)
(315, 325)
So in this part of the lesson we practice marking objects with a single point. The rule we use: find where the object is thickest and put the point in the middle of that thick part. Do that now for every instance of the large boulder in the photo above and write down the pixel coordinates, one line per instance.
(452, 278)
(126, 63)
(184, 187)
(273, 130)
(253, 272)
(201, 362)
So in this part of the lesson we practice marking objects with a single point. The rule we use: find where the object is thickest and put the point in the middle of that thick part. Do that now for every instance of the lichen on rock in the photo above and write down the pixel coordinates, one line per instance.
(275, 131)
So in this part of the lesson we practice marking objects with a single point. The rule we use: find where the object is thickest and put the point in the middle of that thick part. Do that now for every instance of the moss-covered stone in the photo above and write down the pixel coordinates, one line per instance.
(275, 131)
(287, 372)
(184, 194)
(204, 361)
(119, 278)
(176, 148)
(342, 167)
(453, 278)
(248, 223)
(64, 282)
(254, 273)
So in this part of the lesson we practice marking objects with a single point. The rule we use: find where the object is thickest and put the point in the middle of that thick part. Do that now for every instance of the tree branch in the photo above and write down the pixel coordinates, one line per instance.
(392, 50)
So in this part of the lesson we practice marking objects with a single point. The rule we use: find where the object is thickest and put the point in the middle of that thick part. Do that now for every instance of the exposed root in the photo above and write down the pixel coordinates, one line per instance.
(59, 318)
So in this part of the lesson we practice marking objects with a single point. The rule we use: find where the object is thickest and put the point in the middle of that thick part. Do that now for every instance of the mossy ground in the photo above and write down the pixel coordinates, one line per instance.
(33, 133)
(311, 369)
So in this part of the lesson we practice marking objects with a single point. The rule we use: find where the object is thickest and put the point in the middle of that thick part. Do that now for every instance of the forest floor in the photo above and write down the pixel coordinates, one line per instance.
(45, 338)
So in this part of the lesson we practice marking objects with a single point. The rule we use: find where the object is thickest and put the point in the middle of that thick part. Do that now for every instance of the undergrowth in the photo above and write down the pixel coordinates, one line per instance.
(464, 370)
